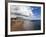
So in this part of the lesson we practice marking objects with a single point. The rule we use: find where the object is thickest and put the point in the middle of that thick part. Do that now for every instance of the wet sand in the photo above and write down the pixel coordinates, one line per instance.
(24, 25)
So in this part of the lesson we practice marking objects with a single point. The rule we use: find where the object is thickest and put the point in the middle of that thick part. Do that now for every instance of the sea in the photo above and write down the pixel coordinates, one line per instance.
(32, 24)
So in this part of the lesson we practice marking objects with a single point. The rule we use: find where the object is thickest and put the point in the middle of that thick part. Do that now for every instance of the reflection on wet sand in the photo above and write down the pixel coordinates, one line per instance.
(28, 25)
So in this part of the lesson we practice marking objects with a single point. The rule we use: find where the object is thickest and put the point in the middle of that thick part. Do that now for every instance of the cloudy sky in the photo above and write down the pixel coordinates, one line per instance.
(36, 11)
(33, 12)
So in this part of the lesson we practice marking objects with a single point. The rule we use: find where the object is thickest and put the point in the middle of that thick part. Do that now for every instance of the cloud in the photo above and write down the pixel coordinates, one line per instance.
(25, 10)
